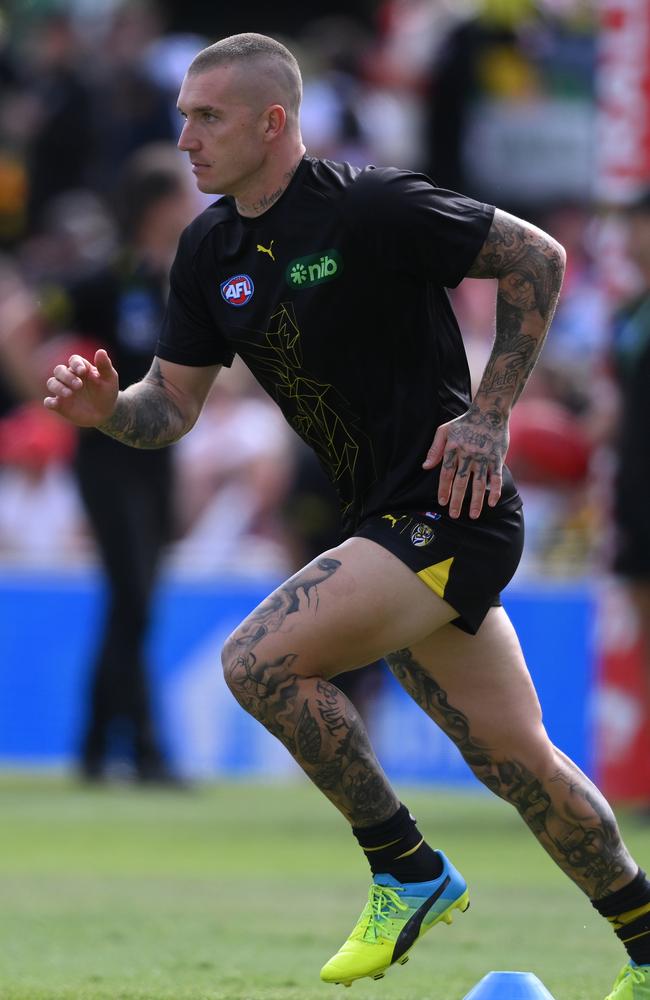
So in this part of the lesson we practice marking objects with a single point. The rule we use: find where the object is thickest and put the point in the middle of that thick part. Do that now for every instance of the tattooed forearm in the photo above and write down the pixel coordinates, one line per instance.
(146, 415)
(316, 722)
(564, 810)
(529, 266)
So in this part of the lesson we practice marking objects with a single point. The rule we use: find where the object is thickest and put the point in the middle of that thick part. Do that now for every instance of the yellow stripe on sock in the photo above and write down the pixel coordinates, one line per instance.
(382, 847)
(411, 851)
(437, 576)
(621, 919)
(635, 937)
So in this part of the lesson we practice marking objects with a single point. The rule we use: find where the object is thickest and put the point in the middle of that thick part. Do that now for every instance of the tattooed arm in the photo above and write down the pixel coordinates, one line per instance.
(529, 266)
(161, 408)
(149, 414)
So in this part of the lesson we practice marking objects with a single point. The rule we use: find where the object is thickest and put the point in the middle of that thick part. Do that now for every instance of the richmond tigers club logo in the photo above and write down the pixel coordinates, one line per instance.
(422, 534)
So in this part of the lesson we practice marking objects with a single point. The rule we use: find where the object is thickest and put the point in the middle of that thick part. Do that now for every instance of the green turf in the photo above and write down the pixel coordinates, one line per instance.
(240, 892)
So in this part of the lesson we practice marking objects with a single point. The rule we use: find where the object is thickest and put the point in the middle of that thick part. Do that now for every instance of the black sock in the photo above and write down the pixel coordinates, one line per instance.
(397, 847)
(628, 911)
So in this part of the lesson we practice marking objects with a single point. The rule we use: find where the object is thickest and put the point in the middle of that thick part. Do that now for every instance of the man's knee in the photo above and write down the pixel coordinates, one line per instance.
(231, 659)
(256, 671)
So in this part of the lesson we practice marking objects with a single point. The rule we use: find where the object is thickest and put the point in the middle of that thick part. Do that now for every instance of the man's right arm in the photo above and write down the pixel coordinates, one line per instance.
(152, 413)
(161, 408)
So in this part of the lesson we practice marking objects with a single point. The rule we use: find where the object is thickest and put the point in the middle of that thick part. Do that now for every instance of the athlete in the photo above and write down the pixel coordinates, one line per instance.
(330, 283)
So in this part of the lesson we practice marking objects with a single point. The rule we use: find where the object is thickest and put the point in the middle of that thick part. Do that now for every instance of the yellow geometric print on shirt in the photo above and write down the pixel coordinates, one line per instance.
(437, 576)
(317, 410)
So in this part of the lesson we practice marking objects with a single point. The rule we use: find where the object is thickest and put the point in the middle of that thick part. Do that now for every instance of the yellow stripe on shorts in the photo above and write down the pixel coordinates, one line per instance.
(437, 576)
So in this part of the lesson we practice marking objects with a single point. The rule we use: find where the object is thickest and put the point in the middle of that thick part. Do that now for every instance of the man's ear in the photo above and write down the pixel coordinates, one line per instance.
(275, 121)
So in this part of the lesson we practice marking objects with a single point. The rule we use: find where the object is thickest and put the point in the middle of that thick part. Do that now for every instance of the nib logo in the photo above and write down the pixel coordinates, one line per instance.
(305, 272)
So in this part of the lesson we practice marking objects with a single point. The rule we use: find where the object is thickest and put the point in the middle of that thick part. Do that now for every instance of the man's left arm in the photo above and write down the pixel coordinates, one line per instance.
(529, 266)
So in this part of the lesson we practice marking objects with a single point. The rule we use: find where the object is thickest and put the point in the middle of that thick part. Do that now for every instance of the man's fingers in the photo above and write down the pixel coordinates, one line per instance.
(437, 449)
(496, 484)
(479, 485)
(455, 477)
(65, 380)
(103, 363)
(463, 464)
(459, 488)
(447, 473)
(66, 376)
(78, 365)
(58, 387)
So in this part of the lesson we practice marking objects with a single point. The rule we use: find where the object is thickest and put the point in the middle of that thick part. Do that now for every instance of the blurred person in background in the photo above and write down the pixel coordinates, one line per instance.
(128, 497)
(39, 502)
(333, 93)
(510, 102)
(330, 283)
(20, 334)
(40, 511)
(631, 369)
(130, 103)
(61, 139)
(83, 99)
(101, 287)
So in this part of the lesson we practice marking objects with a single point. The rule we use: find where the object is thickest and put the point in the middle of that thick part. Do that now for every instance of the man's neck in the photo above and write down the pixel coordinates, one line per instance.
(267, 194)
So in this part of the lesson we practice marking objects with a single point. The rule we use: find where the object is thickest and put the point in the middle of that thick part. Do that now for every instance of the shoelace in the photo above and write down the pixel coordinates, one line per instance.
(382, 903)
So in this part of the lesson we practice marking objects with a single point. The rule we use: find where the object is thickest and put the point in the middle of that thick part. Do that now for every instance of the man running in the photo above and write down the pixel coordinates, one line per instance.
(348, 326)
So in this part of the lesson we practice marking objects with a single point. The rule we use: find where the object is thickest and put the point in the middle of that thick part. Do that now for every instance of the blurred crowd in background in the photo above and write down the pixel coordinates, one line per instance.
(497, 99)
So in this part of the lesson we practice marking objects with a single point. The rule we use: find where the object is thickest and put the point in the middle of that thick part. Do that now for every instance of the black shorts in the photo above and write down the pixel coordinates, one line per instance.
(467, 563)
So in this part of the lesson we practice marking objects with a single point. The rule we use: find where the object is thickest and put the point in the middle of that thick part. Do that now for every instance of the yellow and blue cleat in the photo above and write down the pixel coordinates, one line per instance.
(395, 917)
(632, 983)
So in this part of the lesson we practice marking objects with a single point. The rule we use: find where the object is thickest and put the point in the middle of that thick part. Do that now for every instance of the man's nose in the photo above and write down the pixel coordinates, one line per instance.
(186, 140)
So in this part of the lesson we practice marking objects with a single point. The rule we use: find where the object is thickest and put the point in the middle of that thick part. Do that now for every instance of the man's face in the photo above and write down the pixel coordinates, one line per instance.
(223, 130)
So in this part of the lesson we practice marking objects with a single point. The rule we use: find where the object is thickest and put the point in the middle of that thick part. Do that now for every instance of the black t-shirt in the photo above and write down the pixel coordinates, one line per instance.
(335, 299)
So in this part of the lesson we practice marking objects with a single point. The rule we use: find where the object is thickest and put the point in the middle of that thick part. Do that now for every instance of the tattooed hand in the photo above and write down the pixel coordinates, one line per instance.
(472, 445)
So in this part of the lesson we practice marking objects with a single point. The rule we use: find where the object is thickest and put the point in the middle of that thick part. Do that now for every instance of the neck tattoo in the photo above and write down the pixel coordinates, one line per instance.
(265, 202)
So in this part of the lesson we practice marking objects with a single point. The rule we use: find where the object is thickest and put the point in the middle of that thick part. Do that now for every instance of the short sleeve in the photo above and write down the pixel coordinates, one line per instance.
(189, 335)
(419, 228)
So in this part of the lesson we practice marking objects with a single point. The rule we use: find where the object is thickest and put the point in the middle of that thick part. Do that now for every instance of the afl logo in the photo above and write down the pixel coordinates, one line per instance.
(238, 290)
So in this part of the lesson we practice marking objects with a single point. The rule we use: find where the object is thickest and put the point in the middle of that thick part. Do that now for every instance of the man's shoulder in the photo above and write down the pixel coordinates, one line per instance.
(392, 181)
(385, 188)
(361, 191)
(329, 176)
(216, 215)
(340, 175)
(332, 179)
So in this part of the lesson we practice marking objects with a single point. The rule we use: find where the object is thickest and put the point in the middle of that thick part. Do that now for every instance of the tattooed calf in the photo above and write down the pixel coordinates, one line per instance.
(564, 810)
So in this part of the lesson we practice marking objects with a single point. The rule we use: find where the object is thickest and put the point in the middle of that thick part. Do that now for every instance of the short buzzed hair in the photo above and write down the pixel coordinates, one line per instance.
(250, 47)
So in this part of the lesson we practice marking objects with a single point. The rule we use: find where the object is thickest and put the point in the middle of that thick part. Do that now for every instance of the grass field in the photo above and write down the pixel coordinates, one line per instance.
(240, 892)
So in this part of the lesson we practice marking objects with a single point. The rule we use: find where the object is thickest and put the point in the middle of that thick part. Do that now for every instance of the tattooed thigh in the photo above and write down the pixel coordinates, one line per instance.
(259, 655)
(343, 610)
